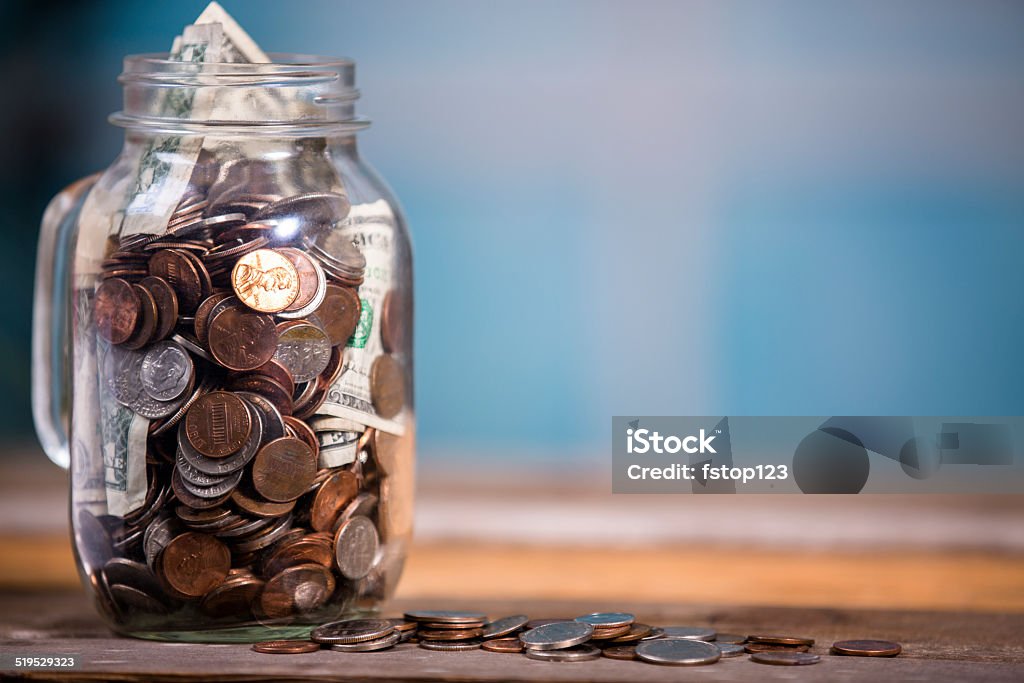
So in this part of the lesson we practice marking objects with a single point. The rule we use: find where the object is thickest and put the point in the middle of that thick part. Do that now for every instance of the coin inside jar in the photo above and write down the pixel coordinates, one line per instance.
(303, 349)
(331, 498)
(339, 313)
(265, 281)
(387, 386)
(117, 309)
(240, 339)
(193, 564)
(166, 371)
(356, 545)
(283, 469)
(218, 424)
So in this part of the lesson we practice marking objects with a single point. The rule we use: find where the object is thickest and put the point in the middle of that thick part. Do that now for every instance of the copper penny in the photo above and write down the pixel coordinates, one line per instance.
(449, 634)
(283, 469)
(309, 280)
(117, 310)
(145, 328)
(178, 269)
(194, 564)
(774, 647)
(166, 304)
(620, 652)
(202, 317)
(304, 550)
(254, 505)
(303, 432)
(265, 281)
(279, 373)
(781, 640)
(609, 633)
(331, 498)
(392, 322)
(636, 632)
(866, 648)
(387, 386)
(266, 387)
(242, 340)
(234, 597)
(298, 589)
(286, 647)
(218, 424)
(339, 313)
(503, 645)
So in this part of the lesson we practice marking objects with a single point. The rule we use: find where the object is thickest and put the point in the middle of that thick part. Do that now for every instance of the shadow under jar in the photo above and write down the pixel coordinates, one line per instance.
(223, 356)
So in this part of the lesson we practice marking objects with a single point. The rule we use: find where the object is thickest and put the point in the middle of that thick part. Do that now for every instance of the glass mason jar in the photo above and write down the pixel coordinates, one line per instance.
(223, 356)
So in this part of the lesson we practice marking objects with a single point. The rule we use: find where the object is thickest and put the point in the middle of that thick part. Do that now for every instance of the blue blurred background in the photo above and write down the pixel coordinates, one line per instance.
(627, 207)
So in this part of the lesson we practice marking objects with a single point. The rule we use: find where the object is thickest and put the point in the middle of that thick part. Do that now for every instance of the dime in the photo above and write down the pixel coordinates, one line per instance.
(689, 632)
(283, 470)
(505, 626)
(296, 590)
(166, 371)
(241, 340)
(218, 424)
(193, 564)
(678, 652)
(285, 647)
(265, 281)
(117, 310)
(179, 271)
(502, 645)
(352, 631)
(449, 646)
(445, 616)
(356, 545)
(785, 658)
(620, 652)
(866, 648)
(166, 304)
(729, 649)
(387, 386)
(607, 619)
(557, 636)
(303, 349)
(369, 645)
(781, 640)
(578, 653)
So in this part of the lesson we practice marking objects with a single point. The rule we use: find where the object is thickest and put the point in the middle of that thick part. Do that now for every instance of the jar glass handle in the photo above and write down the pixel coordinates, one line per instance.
(51, 395)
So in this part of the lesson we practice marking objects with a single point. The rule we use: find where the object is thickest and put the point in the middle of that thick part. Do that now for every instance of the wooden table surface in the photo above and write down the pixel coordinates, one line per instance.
(938, 646)
(942, 575)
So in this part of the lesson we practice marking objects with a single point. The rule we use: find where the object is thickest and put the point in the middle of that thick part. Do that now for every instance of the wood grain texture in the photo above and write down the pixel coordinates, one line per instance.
(938, 646)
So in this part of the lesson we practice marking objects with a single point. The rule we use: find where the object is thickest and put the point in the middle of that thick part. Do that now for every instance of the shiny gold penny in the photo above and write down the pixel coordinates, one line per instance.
(265, 281)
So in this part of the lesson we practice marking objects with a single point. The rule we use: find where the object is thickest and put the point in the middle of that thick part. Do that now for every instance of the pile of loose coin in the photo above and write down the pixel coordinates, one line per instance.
(614, 635)
(226, 332)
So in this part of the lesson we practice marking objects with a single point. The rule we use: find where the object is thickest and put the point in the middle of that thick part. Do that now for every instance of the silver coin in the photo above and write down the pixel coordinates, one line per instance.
(122, 368)
(505, 626)
(785, 658)
(166, 371)
(363, 504)
(247, 528)
(351, 631)
(127, 572)
(656, 632)
(356, 546)
(445, 616)
(225, 219)
(689, 632)
(729, 649)
(369, 645)
(224, 485)
(320, 209)
(557, 635)
(149, 407)
(305, 350)
(577, 653)
(730, 638)
(195, 476)
(267, 539)
(450, 646)
(157, 536)
(607, 619)
(192, 347)
(677, 652)
(273, 423)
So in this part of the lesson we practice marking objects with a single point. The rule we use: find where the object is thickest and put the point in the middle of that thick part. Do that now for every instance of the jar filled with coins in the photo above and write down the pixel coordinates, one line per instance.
(223, 342)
